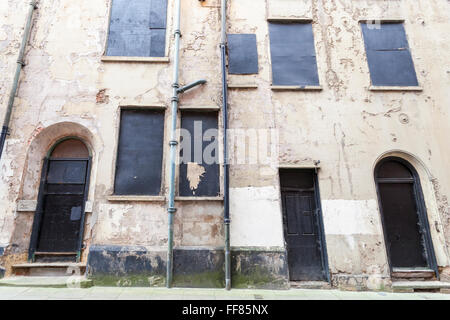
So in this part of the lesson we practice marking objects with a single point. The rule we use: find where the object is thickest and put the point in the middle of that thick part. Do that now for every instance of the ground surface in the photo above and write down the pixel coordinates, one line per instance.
(111, 293)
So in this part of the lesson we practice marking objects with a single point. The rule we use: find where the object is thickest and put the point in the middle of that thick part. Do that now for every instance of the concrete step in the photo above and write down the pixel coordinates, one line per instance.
(50, 269)
(47, 282)
(412, 274)
(310, 285)
(418, 286)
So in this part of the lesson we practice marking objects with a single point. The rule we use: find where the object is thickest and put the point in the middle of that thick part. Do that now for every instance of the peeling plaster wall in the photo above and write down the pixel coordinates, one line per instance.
(348, 127)
(65, 81)
(345, 126)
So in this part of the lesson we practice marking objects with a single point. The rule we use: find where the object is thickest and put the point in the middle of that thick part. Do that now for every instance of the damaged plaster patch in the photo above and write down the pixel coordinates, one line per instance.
(195, 173)
(102, 97)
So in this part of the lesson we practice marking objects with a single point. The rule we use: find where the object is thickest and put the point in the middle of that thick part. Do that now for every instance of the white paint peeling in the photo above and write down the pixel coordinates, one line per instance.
(195, 173)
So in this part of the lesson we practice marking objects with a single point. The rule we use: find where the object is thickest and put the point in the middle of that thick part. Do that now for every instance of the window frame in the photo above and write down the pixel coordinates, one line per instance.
(382, 88)
(289, 20)
(164, 59)
(201, 109)
(113, 196)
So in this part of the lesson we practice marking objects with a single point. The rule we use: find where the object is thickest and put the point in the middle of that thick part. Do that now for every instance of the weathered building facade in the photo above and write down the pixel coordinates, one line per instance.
(356, 194)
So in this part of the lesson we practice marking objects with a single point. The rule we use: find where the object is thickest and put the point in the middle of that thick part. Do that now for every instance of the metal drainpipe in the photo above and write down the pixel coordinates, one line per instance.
(20, 64)
(173, 143)
(173, 140)
(226, 213)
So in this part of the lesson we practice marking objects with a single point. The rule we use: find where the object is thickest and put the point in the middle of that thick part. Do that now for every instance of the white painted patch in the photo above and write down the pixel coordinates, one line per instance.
(350, 217)
(256, 217)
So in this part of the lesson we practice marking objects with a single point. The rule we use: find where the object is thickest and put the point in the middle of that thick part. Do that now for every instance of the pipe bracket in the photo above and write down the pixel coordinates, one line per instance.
(173, 143)
(5, 131)
(171, 210)
(175, 99)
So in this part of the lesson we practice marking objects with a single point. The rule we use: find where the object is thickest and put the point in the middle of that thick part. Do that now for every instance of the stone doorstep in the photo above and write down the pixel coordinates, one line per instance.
(47, 282)
(411, 286)
(417, 273)
(48, 268)
(49, 265)
(310, 285)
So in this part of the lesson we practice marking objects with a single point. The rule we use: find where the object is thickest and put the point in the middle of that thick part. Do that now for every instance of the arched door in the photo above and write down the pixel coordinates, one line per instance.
(59, 219)
(404, 217)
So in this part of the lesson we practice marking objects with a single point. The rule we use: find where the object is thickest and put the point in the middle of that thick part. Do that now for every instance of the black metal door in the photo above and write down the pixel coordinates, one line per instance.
(62, 206)
(302, 226)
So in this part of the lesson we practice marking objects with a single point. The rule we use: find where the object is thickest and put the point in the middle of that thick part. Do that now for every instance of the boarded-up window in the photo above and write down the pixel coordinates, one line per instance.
(137, 28)
(199, 154)
(293, 54)
(140, 153)
(388, 55)
(242, 54)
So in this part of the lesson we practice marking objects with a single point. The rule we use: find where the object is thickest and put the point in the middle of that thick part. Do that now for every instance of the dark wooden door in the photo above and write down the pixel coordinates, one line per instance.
(405, 222)
(302, 226)
(405, 239)
(62, 205)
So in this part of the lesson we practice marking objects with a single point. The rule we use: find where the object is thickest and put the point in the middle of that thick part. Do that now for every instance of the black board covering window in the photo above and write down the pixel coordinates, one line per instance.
(199, 154)
(137, 28)
(242, 54)
(293, 54)
(388, 55)
(140, 153)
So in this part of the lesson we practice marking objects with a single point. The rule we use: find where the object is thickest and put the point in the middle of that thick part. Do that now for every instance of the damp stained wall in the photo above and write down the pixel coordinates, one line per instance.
(66, 89)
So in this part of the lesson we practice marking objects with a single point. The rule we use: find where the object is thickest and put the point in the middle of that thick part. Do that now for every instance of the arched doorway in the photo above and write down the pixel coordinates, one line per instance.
(59, 218)
(404, 217)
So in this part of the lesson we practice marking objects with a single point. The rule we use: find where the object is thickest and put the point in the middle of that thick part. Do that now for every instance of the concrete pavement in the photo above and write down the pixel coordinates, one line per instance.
(118, 293)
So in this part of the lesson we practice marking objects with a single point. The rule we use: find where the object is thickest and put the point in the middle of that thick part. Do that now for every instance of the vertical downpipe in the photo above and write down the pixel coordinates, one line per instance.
(226, 213)
(173, 144)
(20, 64)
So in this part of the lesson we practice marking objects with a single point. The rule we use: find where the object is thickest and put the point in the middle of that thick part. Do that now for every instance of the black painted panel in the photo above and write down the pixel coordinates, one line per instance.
(67, 172)
(209, 184)
(388, 55)
(60, 228)
(242, 54)
(394, 169)
(295, 178)
(137, 28)
(157, 42)
(158, 14)
(125, 260)
(293, 54)
(140, 152)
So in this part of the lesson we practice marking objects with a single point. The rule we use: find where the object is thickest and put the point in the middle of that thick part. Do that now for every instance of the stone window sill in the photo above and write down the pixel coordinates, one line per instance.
(289, 19)
(296, 88)
(243, 86)
(136, 59)
(199, 108)
(220, 198)
(395, 88)
(115, 198)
